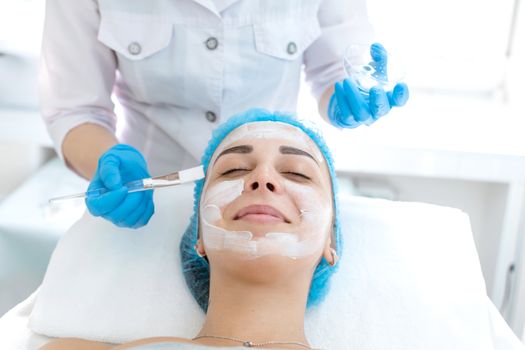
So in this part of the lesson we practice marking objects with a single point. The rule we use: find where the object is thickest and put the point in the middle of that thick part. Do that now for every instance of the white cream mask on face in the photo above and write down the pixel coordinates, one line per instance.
(315, 217)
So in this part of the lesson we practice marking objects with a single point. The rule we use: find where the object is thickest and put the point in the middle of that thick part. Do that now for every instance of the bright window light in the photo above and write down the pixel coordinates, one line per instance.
(447, 44)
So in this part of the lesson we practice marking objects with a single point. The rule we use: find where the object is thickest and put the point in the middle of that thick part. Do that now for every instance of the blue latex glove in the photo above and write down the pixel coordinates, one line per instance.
(350, 107)
(119, 165)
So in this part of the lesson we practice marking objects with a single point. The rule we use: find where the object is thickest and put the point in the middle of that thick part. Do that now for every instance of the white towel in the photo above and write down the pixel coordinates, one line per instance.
(409, 279)
(14, 331)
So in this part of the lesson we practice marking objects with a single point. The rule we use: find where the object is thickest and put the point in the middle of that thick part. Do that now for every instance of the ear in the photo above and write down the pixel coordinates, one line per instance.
(199, 248)
(329, 253)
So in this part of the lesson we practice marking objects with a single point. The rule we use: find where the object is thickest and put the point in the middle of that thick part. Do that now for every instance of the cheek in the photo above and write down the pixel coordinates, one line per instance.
(217, 196)
(315, 207)
(222, 193)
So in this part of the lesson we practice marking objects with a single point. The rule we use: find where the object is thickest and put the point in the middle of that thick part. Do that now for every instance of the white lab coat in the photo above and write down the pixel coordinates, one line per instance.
(180, 67)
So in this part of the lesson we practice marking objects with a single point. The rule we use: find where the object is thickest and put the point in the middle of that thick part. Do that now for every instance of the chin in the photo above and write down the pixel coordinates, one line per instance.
(258, 229)
(266, 269)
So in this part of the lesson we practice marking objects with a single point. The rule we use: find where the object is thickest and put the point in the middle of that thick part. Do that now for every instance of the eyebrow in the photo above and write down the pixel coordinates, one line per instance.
(236, 149)
(296, 151)
(244, 149)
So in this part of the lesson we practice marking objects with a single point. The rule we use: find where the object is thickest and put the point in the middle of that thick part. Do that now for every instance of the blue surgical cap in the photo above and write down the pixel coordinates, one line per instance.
(195, 268)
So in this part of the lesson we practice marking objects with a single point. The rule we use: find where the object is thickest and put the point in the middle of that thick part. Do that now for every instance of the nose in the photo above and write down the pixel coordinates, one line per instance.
(255, 185)
(263, 180)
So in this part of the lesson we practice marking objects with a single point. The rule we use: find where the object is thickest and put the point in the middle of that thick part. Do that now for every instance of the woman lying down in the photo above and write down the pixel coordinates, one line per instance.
(263, 243)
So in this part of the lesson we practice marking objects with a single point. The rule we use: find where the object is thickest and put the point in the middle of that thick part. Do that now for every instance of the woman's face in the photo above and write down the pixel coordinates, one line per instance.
(267, 193)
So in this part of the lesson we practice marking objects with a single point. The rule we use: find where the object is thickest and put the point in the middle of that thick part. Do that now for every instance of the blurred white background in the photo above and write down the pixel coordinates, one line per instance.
(460, 140)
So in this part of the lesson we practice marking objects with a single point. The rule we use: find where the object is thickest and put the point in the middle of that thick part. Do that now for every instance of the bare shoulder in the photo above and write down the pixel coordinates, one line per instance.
(77, 344)
(81, 344)
(151, 341)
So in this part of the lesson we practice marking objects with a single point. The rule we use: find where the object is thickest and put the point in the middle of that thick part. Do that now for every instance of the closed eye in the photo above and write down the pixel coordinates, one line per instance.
(232, 171)
(298, 174)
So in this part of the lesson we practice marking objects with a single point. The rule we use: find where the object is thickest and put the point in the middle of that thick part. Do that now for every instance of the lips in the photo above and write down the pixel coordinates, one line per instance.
(260, 212)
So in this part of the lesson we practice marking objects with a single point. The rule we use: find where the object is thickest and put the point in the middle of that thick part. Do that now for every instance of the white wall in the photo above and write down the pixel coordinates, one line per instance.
(19, 162)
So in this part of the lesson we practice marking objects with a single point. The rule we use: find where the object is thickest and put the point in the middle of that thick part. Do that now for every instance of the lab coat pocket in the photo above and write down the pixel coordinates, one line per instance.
(135, 38)
(286, 38)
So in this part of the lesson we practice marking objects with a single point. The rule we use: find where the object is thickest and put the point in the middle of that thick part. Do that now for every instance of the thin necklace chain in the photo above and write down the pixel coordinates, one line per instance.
(250, 344)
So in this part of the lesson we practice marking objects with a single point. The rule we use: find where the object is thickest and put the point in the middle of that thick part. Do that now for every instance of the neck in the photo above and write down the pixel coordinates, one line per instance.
(256, 312)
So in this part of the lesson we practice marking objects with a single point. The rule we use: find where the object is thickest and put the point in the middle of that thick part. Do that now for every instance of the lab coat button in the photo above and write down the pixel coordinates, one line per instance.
(134, 48)
(211, 117)
(212, 43)
(292, 48)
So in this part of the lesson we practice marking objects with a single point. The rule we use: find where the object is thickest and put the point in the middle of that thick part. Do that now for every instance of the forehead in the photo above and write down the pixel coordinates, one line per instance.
(275, 133)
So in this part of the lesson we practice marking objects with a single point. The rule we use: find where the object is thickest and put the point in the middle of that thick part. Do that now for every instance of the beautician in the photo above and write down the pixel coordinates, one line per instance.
(177, 69)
